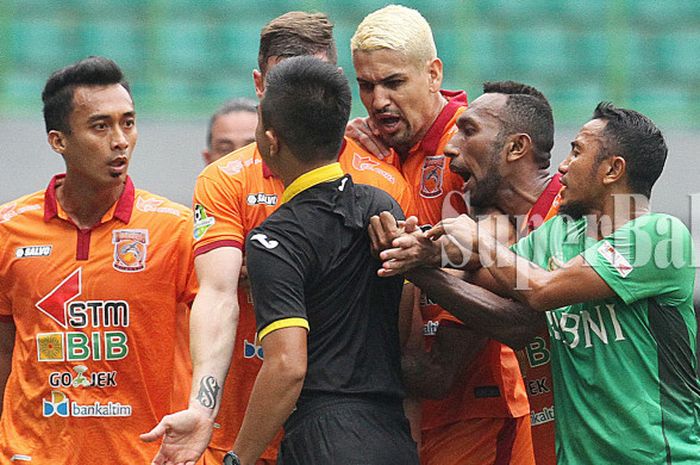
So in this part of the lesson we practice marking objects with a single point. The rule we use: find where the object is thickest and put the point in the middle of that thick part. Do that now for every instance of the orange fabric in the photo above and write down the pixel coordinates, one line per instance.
(93, 306)
(483, 441)
(237, 193)
(438, 194)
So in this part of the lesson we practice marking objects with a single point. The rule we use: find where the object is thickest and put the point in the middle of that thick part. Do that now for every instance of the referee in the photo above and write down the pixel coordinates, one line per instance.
(326, 322)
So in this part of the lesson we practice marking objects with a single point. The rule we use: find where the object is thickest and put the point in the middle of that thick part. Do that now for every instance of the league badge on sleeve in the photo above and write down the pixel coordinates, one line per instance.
(202, 222)
(130, 247)
(431, 176)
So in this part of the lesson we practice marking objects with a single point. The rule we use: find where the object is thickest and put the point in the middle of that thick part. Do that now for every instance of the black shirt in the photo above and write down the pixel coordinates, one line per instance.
(310, 262)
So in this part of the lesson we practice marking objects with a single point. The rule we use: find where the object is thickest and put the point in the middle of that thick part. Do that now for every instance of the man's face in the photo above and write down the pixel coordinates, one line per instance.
(476, 150)
(580, 171)
(231, 132)
(102, 135)
(398, 93)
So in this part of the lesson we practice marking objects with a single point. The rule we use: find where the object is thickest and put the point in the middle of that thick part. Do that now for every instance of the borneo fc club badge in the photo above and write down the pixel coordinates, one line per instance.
(130, 247)
(431, 176)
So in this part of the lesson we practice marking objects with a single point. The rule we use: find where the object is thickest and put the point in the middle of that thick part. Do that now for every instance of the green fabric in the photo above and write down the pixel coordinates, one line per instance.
(625, 375)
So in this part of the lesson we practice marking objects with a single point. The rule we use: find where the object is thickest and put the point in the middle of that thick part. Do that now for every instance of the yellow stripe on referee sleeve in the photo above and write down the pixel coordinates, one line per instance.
(285, 323)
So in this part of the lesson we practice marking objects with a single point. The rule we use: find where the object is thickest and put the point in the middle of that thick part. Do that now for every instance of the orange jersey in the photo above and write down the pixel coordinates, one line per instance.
(491, 387)
(232, 196)
(537, 372)
(95, 316)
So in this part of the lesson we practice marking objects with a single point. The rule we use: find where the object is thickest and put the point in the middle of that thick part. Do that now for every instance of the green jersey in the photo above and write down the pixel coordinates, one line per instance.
(626, 383)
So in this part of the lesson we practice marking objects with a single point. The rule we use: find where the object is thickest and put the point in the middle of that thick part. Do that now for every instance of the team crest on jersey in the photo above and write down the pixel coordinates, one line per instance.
(130, 248)
(431, 176)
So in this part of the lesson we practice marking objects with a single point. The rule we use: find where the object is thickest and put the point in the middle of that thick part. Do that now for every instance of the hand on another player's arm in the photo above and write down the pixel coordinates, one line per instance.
(362, 131)
(213, 321)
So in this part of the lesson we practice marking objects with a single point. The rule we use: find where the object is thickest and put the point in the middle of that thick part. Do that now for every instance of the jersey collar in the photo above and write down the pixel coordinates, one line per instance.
(456, 99)
(121, 210)
(309, 179)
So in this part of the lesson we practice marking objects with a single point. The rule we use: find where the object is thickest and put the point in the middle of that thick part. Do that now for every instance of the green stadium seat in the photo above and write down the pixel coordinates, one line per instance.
(122, 41)
(664, 13)
(587, 52)
(680, 56)
(544, 11)
(538, 50)
(41, 44)
(186, 46)
(485, 52)
(239, 42)
(23, 87)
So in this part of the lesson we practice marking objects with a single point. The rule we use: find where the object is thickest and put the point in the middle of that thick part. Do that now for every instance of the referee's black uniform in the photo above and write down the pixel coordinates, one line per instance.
(310, 265)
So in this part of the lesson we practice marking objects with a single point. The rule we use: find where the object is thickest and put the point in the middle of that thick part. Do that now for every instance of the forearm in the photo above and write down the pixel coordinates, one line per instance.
(213, 323)
(274, 395)
(504, 320)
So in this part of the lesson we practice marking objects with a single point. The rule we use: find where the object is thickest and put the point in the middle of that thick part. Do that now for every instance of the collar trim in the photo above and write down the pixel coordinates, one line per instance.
(311, 178)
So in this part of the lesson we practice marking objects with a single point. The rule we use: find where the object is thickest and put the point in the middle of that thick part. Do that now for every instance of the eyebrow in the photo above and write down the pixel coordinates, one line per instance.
(391, 77)
(99, 117)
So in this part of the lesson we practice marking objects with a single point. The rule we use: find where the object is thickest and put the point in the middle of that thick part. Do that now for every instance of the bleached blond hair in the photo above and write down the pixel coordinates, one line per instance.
(395, 27)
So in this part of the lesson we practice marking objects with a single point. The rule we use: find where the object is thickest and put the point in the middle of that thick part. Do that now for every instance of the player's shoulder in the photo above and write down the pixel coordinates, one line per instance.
(22, 207)
(236, 163)
(362, 164)
(148, 203)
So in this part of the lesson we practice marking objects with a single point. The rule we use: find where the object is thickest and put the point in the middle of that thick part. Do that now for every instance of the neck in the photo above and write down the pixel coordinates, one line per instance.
(520, 194)
(438, 104)
(293, 170)
(84, 204)
(620, 208)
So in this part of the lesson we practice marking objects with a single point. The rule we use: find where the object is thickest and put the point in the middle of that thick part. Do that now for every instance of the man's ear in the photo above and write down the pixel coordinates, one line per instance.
(259, 81)
(273, 141)
(518, 146)
(57, 141)
(435, 72)
(206, 156)
(615, 169)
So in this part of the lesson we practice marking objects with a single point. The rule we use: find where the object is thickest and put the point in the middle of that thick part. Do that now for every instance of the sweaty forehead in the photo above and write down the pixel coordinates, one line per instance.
(486, 108)
(378, 64)
(591, 132)
(111, 98)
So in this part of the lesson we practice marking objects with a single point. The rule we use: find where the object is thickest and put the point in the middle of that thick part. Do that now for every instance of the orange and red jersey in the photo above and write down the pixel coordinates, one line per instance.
(232, 196)
(95, 316)
(537, 371)
(491, 387)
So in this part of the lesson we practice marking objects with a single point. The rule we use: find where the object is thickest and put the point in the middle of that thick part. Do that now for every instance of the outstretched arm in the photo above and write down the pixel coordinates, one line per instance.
(213, 321)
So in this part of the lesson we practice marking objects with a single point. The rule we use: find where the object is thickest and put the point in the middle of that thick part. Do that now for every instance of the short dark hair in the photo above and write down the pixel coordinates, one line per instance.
(296, 33)
(58, 91)
(528, 111)
(235, 105)
(307, 102)
(635, 138)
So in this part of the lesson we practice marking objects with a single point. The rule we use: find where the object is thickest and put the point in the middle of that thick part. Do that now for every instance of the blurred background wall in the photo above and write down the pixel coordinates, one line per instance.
(185, 57)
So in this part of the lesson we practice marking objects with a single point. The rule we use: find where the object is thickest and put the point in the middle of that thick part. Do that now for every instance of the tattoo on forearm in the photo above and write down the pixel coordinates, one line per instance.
(208, 392)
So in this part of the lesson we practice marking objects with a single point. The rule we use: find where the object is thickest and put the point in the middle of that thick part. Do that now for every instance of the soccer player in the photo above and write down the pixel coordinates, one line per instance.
(327, 322)
(399, 76)
(232, 196)
(230, 128)
(616, 282)
(93, 273)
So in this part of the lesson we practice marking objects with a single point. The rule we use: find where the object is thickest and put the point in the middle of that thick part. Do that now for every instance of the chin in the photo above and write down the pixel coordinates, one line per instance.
(575, 210)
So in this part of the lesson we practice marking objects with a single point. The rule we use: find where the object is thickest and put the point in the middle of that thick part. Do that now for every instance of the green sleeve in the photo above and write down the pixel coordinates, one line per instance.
(651, 256)
(535, 246)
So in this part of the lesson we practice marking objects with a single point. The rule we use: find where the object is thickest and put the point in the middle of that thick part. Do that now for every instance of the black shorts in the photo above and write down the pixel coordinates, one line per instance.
(351, 431)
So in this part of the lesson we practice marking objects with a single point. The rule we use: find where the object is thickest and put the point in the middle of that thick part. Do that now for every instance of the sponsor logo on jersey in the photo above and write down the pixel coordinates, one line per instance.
(615, 258)
(80, 378)
(130, 249)
(361, 163)
(543, 416)
(261, 198)
(154, 206)
(265, 241)
(431, 176)
(252, 350)
(61, 405)
(232, 168)
(9, 211)
(537, 387)
(105, 317)
(30, 251)
(202, 222)
(598, 323)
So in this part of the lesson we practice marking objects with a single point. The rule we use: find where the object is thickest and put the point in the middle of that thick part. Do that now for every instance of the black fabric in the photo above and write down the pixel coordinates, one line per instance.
(311, 259)
(678, 382)
(348, 431)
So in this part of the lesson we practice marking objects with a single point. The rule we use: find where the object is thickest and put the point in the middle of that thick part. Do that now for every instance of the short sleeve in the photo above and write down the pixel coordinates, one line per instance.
(218, 219)
(187, 278)
(651, 256)
(276, 268)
